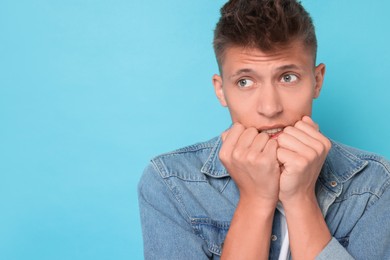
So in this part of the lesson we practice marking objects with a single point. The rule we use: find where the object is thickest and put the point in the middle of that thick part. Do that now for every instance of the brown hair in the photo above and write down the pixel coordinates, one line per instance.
(264, 24)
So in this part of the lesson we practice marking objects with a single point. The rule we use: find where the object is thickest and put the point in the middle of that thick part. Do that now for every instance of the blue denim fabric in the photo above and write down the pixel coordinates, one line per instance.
(187, 201)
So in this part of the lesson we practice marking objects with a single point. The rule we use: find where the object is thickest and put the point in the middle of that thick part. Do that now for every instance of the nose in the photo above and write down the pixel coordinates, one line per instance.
(269, 101)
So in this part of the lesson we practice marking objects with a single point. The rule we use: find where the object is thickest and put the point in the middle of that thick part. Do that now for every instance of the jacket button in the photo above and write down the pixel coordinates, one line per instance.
(274, 238)
(333, 184)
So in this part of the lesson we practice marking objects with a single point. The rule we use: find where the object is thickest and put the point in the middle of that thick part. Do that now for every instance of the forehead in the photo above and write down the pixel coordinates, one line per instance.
(293, 53)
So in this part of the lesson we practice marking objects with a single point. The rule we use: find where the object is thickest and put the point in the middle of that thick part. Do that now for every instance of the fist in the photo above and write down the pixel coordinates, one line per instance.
(251, 160)
(302, 151)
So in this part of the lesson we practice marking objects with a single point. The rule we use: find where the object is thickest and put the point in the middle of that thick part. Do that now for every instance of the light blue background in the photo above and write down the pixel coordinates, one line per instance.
(90, 90)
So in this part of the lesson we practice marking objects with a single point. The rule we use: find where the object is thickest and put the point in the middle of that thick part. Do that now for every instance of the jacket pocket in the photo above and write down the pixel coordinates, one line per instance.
(213, 232)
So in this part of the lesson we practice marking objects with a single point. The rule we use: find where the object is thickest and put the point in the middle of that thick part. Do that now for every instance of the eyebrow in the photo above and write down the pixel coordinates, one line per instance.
(289, 67)
(281, 68)
(241, 71)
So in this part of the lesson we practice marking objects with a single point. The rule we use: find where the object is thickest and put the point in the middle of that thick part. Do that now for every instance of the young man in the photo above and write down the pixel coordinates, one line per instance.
(272, 186)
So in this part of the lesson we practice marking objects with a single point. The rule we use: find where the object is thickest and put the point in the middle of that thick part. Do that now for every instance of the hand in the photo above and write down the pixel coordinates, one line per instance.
(301, 153)
(250, 158)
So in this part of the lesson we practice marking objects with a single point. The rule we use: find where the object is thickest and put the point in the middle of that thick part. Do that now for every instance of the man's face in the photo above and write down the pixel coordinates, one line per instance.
(268, 90)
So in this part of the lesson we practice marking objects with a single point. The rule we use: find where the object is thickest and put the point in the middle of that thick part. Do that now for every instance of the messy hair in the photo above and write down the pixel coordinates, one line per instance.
(267, 25)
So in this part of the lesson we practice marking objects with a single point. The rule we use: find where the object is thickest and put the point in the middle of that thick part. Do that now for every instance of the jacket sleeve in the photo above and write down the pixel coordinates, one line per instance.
(166, 228)
(370, 238)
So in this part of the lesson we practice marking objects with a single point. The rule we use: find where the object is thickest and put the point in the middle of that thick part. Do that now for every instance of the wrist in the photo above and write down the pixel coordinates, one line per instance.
(299, 199)
(302, 206)
(257, 206)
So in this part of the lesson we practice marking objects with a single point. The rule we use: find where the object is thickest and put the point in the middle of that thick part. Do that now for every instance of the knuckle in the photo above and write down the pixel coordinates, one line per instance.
(237, 154)
(238, 126)
(325, 145)
(298, 124)
(223, 155)
(328, 144)
(312, 155)
(251, 131)
(288, 129)
(252, 157)
(302, 162)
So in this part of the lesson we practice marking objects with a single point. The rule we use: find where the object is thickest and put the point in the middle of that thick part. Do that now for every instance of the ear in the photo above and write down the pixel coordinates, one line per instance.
(218, 88)
(319, 78)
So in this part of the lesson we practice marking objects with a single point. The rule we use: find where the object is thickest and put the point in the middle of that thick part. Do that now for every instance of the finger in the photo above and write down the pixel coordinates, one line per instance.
(303, 137)
(310, 121)
(233, 135)
(314, 133)
(246, 138)
(271, 148)
(259, 142)
(292, 143)
(224, 135)
(309, 129)
(230, 140)
(284, 156)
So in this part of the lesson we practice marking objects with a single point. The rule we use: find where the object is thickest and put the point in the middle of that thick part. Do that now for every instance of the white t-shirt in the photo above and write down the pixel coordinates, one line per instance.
(285, 249)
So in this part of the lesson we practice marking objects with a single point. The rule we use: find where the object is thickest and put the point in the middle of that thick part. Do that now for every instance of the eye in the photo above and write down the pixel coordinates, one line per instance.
(288, 78)
(245, 83)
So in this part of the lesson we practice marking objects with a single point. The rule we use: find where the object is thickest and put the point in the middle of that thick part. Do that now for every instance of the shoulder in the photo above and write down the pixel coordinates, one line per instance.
(185, 163)
(359, 170)
(370, 159)
(182, 178)
(361, 154)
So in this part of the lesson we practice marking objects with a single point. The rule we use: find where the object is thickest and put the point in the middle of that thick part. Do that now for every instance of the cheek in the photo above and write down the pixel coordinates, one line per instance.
(300, 104)
(241, 110)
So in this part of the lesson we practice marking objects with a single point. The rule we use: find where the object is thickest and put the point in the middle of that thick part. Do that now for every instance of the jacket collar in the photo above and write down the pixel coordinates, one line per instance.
(213, 166)
(340, 164)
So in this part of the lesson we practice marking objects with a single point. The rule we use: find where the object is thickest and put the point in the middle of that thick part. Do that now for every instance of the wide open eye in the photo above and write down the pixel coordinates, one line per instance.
(288, 78)
(245, 83)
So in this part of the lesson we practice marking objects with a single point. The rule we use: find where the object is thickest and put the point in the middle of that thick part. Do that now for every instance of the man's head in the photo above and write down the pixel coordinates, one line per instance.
(266, 54)
(267, 25)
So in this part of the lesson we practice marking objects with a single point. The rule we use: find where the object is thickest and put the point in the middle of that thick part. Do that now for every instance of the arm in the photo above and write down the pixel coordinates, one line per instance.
(166, 232)
(249, 233)
(302, 152)
(250, 158)
(370, 237)
(308, 232)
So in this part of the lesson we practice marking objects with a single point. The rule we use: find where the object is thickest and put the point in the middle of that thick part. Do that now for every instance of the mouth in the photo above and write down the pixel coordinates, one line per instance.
(272, 133)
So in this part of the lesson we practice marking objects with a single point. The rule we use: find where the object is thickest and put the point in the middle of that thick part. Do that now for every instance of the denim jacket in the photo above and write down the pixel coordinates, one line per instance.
(187, 201)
